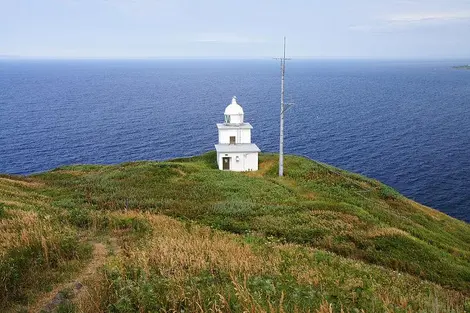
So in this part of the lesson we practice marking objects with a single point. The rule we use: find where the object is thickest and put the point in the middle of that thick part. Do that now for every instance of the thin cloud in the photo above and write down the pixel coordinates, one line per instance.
(409, 20)
(423, 17)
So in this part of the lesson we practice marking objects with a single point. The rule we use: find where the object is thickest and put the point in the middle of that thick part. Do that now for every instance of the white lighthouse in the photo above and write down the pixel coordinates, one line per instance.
(235, 152)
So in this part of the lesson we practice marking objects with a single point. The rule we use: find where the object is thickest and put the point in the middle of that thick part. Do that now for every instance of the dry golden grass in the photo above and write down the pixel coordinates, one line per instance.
(25, 182)
(12, 192)
(306, 274)
(23, 194)
(15, 204)
(337, 220)
(386, 231)
(22, 228)
(310, 196)
(263, 168)
(180, 251)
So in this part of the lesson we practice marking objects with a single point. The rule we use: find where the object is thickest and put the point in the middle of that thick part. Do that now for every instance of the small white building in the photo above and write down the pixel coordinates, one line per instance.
(235, 152)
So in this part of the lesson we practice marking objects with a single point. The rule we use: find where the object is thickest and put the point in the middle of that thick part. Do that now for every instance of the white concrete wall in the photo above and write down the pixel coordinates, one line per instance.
(247, 161)
(241, 135)
(251, 162)
(236, 118)
(246, 136)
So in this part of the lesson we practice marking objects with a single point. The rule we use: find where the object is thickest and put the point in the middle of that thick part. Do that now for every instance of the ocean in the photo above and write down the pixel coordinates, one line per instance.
(405, 123)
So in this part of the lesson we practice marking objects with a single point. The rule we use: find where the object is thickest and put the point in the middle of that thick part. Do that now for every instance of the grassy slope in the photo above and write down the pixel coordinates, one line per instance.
(36, 249)
(276, 222)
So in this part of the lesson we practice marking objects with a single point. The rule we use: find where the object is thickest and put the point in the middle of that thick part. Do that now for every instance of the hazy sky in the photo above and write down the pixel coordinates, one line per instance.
(237, 28)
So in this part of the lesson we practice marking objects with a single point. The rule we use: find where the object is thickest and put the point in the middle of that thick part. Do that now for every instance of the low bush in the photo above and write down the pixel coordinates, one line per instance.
(80, 217)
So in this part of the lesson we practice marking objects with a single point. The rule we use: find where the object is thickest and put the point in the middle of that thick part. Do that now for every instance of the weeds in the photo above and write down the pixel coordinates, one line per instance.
(196, 239)
(197, 269)
(33, 252)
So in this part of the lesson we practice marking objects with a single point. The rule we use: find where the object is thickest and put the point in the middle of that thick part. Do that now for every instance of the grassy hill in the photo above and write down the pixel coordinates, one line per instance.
(182, 236)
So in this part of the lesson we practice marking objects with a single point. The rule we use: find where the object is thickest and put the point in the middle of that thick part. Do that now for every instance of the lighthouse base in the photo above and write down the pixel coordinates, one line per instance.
(237, 162)
(238, 158)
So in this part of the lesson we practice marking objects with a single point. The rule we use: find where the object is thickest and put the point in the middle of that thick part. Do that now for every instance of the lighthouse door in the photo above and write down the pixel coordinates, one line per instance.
(226, 163)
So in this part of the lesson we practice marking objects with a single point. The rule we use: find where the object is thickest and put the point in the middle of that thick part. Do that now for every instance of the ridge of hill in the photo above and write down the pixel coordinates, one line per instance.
(184, 236)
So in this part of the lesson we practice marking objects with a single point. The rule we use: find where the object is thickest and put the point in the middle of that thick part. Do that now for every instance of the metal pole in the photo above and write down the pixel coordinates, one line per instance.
(281, 137)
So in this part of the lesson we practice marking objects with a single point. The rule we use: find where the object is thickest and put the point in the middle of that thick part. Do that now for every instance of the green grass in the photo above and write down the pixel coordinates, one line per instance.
(186, 267)
(314, 206)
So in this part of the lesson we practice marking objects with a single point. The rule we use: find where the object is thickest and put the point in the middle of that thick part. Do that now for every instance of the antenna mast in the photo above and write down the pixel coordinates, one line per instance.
(281, 131)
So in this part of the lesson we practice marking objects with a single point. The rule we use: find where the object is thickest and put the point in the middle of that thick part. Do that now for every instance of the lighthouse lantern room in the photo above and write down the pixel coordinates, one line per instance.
(235, 152)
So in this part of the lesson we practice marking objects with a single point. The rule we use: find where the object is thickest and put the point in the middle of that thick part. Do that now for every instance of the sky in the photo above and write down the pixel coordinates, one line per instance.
(377, 29)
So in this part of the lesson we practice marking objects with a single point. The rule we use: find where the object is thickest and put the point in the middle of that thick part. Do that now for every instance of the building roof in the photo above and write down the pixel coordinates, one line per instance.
(234, 126)
(234, 108)
(240, 148)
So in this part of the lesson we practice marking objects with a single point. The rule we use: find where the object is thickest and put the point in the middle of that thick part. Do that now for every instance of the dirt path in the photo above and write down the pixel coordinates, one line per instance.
(51, 300)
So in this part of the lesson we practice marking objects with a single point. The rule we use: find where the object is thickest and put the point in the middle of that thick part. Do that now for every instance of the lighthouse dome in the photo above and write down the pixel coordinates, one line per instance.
(233, 108)
(234, 113)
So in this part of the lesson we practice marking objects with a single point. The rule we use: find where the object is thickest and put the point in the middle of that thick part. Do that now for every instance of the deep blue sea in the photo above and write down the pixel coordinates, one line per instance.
(405, 123)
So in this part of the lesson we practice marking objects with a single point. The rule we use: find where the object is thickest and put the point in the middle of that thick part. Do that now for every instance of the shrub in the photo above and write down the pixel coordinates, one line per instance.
(80, 217)
(387, 193)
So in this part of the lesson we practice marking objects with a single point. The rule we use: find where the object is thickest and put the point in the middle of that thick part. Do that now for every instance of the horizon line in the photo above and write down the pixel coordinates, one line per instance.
(143, 58)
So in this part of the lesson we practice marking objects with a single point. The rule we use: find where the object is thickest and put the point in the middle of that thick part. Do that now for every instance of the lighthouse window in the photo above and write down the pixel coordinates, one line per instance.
(227, 118)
